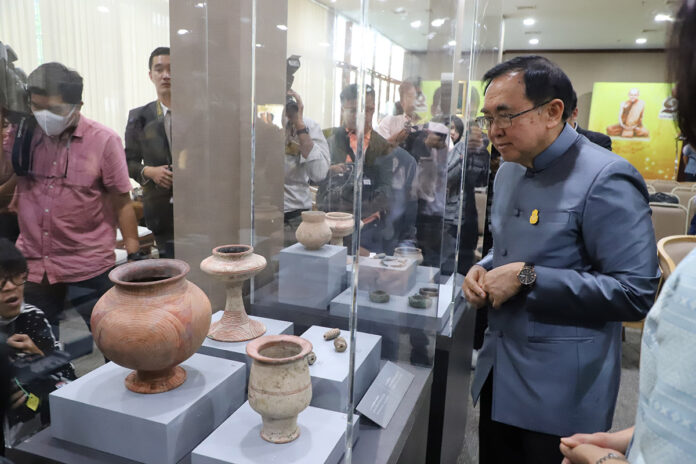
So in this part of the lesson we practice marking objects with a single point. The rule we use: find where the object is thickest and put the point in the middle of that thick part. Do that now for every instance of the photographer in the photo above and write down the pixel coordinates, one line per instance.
(29, 338)
(306, 157)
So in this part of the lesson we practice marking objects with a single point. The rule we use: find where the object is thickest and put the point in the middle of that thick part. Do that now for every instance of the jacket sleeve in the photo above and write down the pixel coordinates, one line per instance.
(619, 239)
(134, 154)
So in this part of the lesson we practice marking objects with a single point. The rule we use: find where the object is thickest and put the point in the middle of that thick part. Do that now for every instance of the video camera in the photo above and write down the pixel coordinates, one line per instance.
(13, 86)
(293, 64)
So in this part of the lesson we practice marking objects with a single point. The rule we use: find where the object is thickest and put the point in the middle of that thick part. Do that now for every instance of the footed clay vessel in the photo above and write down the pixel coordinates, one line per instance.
(279, 384)
(151, 320)
(314, 232)
(409, 252)
(341, 225)
(233, 264)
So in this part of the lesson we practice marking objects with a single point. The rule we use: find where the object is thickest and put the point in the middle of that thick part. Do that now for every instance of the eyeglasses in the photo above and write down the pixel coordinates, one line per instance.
(503, 121)
(17, 280)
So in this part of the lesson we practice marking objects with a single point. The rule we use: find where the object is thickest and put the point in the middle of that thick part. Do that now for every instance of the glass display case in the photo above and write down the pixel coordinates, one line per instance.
(330, 184)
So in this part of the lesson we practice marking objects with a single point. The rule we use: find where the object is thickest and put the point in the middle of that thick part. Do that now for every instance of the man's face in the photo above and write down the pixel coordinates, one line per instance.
(11, 296)
(160, 74)
(527, 135)
(408, 100)
(53, 103)
(350, 113)
(633, 95)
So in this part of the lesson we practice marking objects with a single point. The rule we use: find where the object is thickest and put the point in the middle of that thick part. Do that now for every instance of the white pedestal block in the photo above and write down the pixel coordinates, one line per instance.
(397, 310)
(236, 351)
(330, 371)
(238, 440)
(373, 275)
(311, 278)
(98, 411)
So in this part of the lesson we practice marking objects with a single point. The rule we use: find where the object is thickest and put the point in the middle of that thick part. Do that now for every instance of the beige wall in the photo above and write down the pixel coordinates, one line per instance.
(584, 69)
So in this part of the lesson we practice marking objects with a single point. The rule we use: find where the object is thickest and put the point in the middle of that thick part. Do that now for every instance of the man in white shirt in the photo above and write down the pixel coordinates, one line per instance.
(396, 128)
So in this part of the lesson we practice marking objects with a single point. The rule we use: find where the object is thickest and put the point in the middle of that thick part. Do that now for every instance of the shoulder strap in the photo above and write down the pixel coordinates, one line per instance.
(21, 150)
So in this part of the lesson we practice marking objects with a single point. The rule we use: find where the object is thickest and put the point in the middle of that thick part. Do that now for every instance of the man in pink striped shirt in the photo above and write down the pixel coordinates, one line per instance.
(72, 190)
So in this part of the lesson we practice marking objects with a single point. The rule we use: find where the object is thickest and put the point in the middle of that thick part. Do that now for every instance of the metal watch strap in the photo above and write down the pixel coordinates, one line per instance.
(614, 456)
(304, 130)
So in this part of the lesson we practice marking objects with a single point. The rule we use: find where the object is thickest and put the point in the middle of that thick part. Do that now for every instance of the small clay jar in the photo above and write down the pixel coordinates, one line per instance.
(341, 225)
(314, 232)
(409, 252)
(379, 296)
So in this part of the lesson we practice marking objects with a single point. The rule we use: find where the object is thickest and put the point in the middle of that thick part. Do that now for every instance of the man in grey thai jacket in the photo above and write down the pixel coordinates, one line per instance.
(573, 255)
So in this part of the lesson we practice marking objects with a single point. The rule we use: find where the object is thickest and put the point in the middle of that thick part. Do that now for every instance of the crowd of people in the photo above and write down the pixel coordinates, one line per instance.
(573, 251)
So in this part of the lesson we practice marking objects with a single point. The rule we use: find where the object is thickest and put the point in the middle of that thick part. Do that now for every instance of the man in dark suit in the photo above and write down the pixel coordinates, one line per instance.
(598, 138)
(148, 142)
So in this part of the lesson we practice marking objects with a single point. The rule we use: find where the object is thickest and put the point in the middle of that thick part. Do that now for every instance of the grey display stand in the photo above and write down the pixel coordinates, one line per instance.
(397, 311)
(374, 275)
(236, 351)
(98, 411)
(238, 440)
(311, 278)
(330, 385)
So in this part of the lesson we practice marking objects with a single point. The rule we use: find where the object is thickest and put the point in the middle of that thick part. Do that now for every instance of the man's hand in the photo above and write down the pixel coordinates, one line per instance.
(338, 168)
(615, 440)
(296, 117)
(473, 286)
(23, 343)
(586, 454)
(17, 399)
(501, 283)
(160, 175)
(400, 136)
(475, 140)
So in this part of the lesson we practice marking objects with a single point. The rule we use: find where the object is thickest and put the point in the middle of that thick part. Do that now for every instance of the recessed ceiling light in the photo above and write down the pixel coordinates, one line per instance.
(533, 41)
(529, 21)
(183, 31)
(282, 27)
(641, 40)
(416, 24)
(452, 43)
(437, 22)
(102, 9)
(259, 45)
(663, 17)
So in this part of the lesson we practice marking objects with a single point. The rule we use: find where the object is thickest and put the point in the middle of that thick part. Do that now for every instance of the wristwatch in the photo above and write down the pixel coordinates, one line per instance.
(304, 130)
(527, 276)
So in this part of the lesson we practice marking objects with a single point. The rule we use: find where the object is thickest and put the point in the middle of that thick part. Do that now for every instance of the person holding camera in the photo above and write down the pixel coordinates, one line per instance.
(28, 337)
(72, 191)
(306, 159)
(148, 152)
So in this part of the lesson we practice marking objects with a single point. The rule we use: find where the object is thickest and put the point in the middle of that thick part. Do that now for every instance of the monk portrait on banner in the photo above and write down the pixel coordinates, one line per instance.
(630, 118)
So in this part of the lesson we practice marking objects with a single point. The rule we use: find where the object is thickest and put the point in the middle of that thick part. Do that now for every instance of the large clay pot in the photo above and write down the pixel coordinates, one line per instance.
(409, 252)
(341, 225)
(314, 232)
(151, 320)
(233, 264)
(279, 384)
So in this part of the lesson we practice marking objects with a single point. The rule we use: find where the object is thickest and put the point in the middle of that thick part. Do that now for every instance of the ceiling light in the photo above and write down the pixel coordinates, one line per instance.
(529, 21)
(641, 40)
(663, 17)
(533, 41)
(282, 27)
(416, 24)
(102, 9)
(452, 43)
(183, 31)
(437, 22)
(400, 10)
(200, 5)
(259, 45)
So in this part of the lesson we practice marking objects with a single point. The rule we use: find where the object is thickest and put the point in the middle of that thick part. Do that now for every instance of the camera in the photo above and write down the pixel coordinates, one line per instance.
(292, 65)
(13, 90)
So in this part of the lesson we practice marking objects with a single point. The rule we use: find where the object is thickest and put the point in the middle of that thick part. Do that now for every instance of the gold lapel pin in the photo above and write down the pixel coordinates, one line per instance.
(534, 218)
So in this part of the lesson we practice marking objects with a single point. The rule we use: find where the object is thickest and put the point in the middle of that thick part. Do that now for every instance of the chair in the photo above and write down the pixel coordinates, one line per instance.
(663, 185)
(671, 250)
(668, 219)
(684, 194)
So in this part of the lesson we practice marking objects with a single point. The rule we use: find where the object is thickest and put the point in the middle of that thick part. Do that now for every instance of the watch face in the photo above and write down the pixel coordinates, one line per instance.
(527, 276)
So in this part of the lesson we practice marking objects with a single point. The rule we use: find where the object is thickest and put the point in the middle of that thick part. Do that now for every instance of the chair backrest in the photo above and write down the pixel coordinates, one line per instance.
(481, 211)
(663, 185)
(685, 194)
(671, 250)
(668, 219)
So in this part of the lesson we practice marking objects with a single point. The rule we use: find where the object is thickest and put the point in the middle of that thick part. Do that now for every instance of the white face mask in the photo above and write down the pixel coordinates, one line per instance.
(51, 123)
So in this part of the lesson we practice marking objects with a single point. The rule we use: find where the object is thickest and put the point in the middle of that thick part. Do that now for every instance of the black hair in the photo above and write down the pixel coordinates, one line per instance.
(543, 80)
(459, 127)
(12, 261)
(682, 67)
(351, 92)
(573, 103)
(157, 52)
(55, 79)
